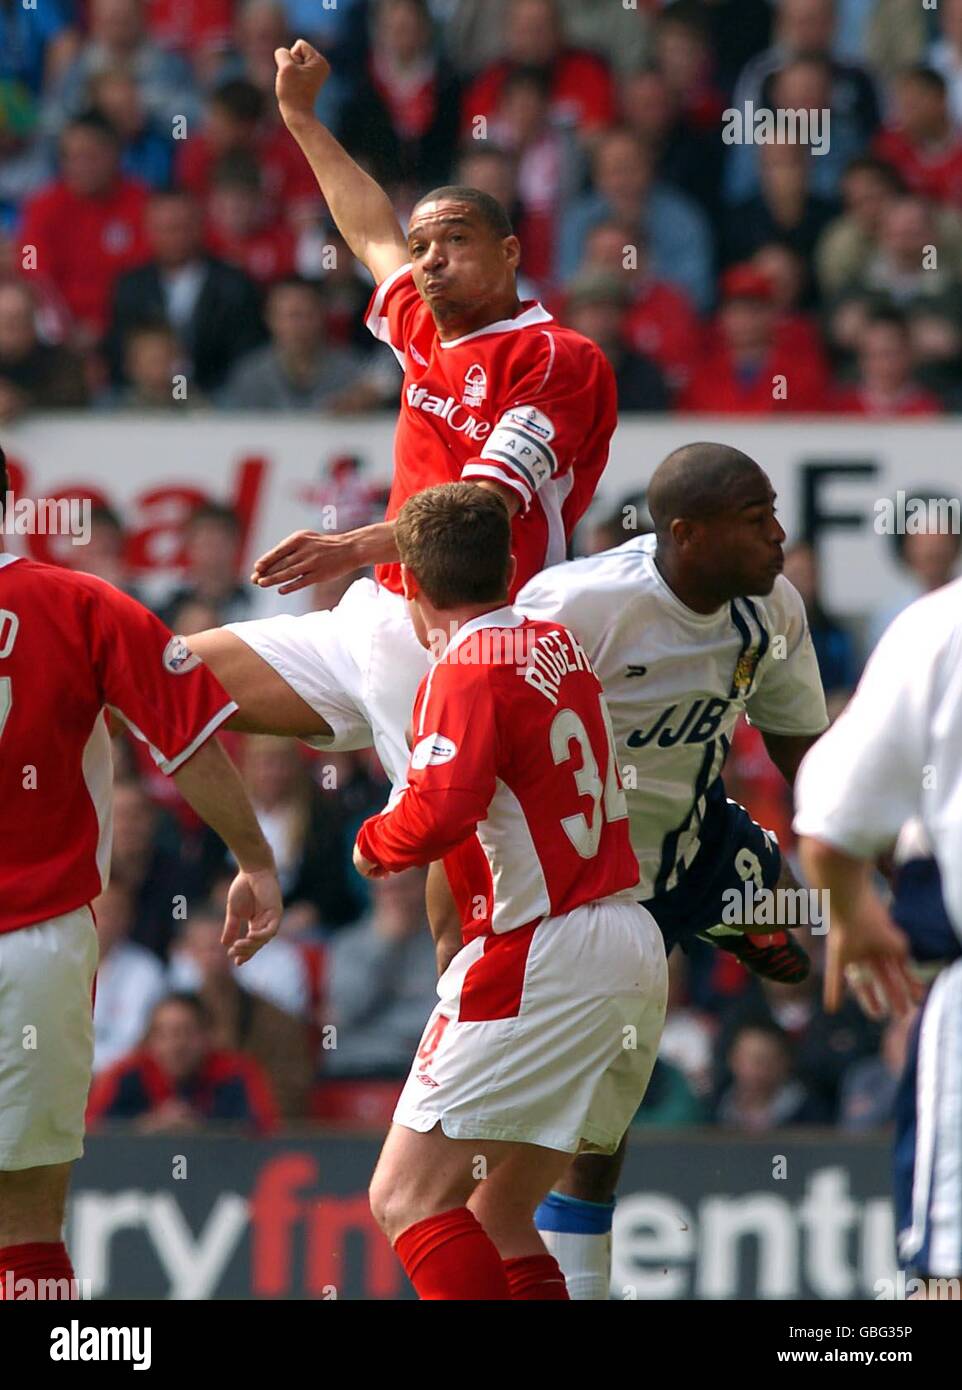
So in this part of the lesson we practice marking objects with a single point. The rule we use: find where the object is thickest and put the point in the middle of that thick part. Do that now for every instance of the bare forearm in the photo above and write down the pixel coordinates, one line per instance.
(375, 545)
(444, 919)
(845, 879)
(211, 784)
(359, 206)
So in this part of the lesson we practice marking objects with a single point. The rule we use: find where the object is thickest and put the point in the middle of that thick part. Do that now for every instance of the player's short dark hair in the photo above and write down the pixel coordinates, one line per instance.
(695, 482)
(4, 481)
(240, 99)
(490, 211)
(455, 539)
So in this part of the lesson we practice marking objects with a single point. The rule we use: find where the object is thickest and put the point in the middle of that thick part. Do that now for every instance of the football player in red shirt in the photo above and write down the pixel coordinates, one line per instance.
(71, 647)
(494, 391)
(525, 1059)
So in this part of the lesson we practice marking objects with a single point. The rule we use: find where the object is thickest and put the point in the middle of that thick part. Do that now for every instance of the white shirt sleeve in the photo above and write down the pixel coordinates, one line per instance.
(789, 698)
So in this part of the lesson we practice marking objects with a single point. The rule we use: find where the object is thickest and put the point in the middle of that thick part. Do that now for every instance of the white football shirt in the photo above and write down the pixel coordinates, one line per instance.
(896, 750)
(676, 682)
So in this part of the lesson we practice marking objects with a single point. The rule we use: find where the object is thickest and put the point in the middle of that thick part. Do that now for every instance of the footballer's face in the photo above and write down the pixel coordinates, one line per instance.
(460, 264)
(742, 545)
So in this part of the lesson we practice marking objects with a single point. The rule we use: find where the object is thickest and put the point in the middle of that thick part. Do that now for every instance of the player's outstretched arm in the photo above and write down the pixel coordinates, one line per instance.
(211, 784)
(266, 703)
(313, 557)
(360, 208)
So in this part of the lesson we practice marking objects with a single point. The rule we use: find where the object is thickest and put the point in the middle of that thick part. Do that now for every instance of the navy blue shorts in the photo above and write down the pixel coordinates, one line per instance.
(928, 1136)
(697, 903)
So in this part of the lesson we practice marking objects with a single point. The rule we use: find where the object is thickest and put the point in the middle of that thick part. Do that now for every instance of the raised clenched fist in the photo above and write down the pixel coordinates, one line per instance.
(301, 73)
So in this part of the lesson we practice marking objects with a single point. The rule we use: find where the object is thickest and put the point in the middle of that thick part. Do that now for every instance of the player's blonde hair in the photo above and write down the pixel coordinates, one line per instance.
(455, 539)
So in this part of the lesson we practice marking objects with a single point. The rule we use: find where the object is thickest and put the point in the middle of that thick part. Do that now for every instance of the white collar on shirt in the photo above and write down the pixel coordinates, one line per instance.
(498, 617)
(534, 313)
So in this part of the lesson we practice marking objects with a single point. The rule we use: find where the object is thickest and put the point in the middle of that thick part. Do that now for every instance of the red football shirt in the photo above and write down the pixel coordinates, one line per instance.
(524, 401)
(83, 244)
(513, 752)
(933, 174)
(70, 647)
(582, 92)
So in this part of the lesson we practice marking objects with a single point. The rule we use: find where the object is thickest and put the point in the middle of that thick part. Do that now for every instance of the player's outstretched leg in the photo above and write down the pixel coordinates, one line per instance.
(574, 1221)
(772, 953)
(458, 1239)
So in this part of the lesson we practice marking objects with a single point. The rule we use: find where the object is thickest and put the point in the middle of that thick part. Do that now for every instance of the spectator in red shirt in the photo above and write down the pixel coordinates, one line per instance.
(744, 370)
(547, 161)
(686, 60)
(596, 303)
(402, 118)
(661, 323)
(885, 365)
(236, 121)
(260, 27)
(581, 87)
(240, 228)
(795, 330)
(194, 28)
(88, 226)
(922, 142)
(179, 1082)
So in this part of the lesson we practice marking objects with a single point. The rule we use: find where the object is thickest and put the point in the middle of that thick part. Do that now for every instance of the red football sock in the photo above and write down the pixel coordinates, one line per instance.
(536, 1276)
(41, 1259)
(449, 1256)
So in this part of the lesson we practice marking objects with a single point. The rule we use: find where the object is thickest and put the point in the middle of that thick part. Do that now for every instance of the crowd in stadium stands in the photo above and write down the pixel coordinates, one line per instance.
(158, 221)
(158, 225)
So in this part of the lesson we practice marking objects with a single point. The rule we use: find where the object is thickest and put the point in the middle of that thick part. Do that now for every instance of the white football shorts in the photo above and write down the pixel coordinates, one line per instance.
(544, 1035)
(358, 665)
(46, 1039)
(932, 1243)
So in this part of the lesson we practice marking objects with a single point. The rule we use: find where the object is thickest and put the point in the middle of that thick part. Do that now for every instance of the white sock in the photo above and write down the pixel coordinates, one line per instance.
(585, 1261)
